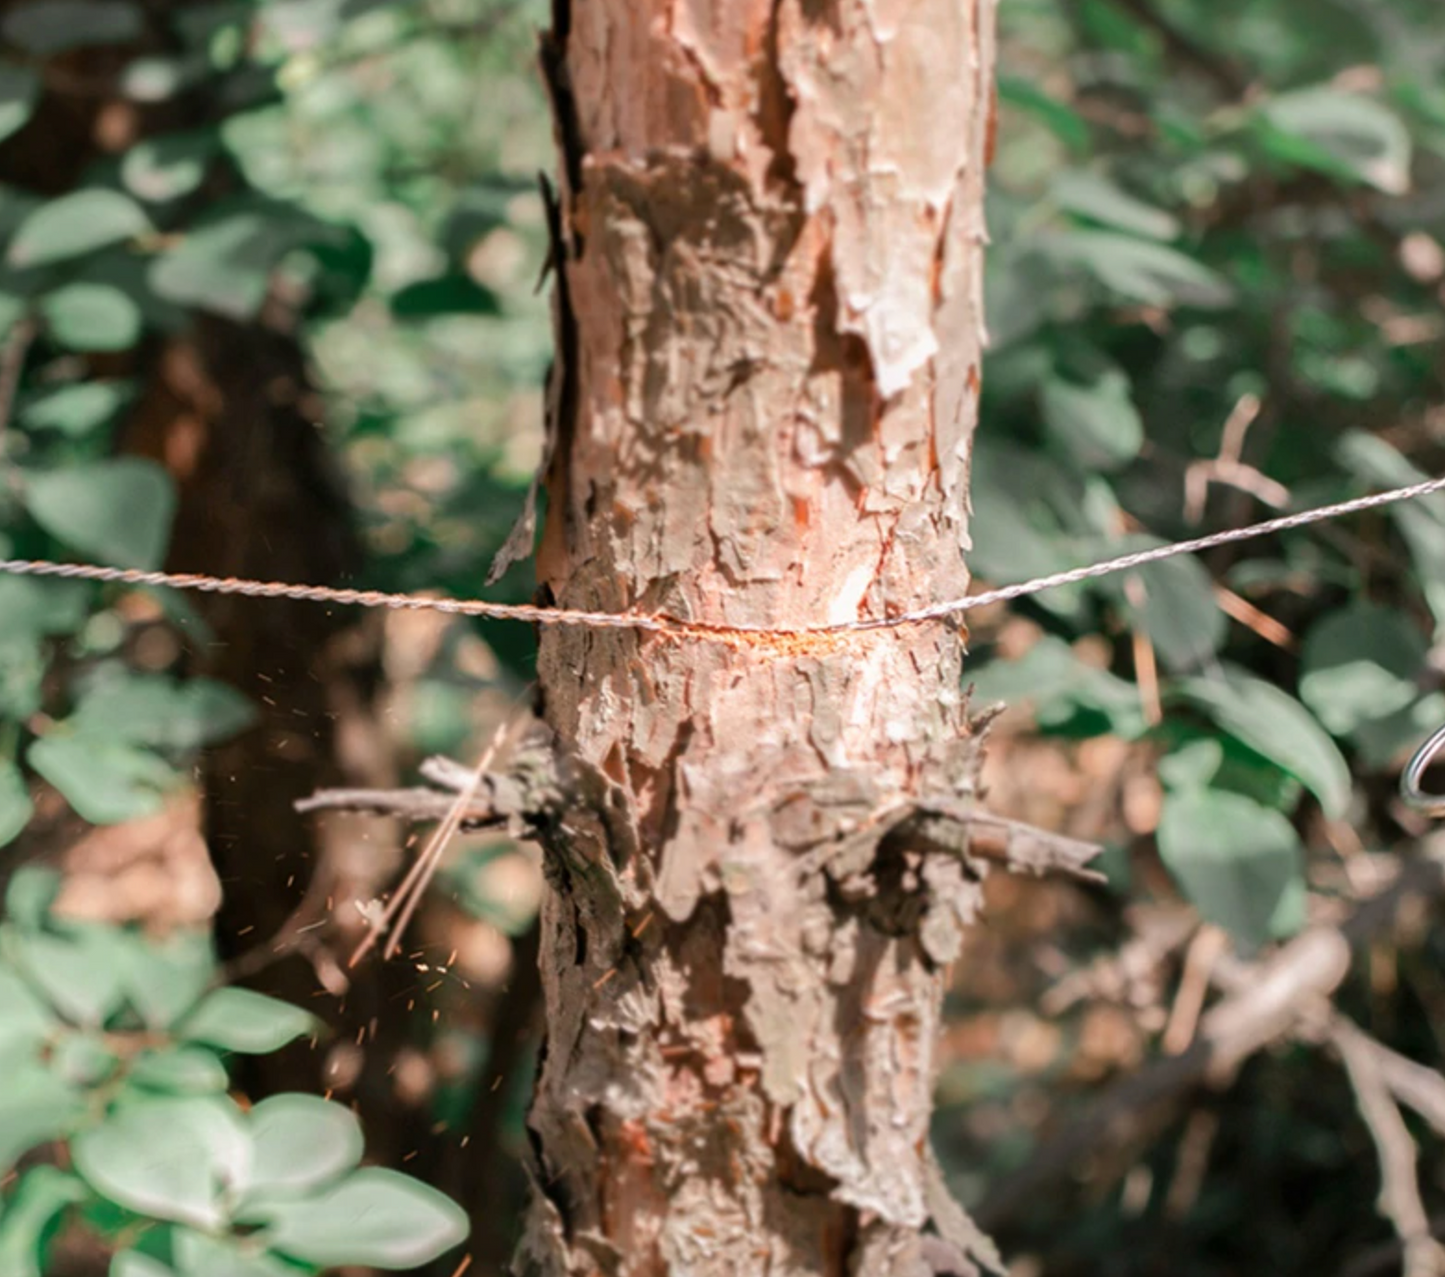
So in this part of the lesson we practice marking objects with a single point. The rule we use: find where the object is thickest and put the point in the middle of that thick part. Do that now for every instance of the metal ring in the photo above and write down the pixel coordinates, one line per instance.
(1410, 791)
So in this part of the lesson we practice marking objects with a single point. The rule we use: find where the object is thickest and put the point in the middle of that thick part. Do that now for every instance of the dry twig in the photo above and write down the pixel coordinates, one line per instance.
(1399, 1199)
(1266, 1006)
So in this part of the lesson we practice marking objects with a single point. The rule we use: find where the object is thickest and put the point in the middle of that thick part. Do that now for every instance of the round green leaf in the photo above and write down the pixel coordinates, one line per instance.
(19, 87)
(376, 1217)
(301, 1142)
(223, 266)
(154, 79)
(1097, 424)
(171, 1158)
(246, 1021)
(107, 782)
(150, 709)
(30, 893)
(80, 970)
(198, 1255)
(35, 1105)
(91, 317)
(182, 1070)
(1178, 610)
(74, 225)
(78, 409)
(15, 805)
(116, 511)
(1361, 664)
(165, 168)
(165, 978)
(1240, 864)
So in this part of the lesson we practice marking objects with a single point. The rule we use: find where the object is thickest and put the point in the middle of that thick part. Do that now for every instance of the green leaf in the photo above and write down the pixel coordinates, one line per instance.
(1097, 424)
(48, 27)
(1240, 864)
(1063, 121)
(25, 1020)
(223, 265)
(33, 606)
(1361, 664)
(31, 891)
(77, 409)
(15, 805)
(245, 1021)
(107, 782)
(1140, 270)
(301, 1142)
(80, 970)
(171, 1158)
(83, 1059)
(154, 79)
(165, 978)
(1344, 134)
(30, 1217)
(165, 168)
(36, 1105)
(1063, 690)
(75, 224)
(116, 511)
(22, 670)
(133, 1263)
(448, 295)
(1032, 516)
(1421, 522)
(1094, 196)
(19, 89)
(150, 709)
(1178, 612)
(198, 1255)
(376, 1217)
(87, 316)
(1272, 723)
(182, 1070)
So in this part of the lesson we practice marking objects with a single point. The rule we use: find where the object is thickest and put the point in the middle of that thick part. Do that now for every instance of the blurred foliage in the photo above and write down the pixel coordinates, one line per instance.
(113, 1044)
(1215, 293)
(371, 167)
(363, 176)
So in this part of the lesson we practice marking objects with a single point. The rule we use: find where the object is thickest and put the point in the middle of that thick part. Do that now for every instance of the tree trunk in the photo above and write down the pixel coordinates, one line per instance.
(770, 230)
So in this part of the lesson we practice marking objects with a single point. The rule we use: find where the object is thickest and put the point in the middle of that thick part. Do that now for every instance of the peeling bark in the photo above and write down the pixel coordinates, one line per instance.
(770, 230)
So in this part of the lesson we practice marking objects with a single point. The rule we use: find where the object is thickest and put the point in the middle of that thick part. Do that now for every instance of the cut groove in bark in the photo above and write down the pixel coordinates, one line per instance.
(769, 257)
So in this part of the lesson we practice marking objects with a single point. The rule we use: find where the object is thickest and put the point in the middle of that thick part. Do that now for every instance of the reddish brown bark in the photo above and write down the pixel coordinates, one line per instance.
(770, 238)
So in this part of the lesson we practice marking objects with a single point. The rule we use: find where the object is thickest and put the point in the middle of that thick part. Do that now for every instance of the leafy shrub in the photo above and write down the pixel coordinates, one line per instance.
(113, 1047)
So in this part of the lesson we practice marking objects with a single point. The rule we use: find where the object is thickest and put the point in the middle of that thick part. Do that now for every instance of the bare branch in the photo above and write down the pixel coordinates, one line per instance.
(1399, 1199)
(942, 824)
(415, 805)
(526, 790)
(1263, 1008)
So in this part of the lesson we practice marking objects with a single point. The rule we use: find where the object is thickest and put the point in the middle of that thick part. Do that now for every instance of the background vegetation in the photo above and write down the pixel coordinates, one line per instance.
(268, 290)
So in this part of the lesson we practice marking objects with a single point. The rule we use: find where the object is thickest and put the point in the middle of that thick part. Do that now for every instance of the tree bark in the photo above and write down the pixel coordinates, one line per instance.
(769, 233)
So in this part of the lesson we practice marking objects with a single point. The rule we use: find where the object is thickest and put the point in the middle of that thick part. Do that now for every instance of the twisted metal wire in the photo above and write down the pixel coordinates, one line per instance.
(795, 638)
